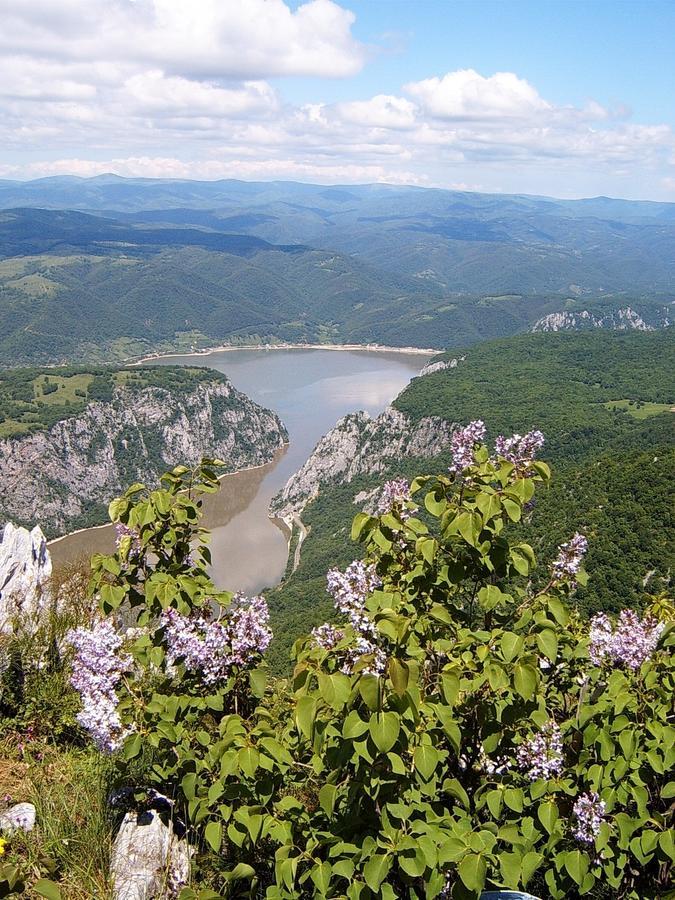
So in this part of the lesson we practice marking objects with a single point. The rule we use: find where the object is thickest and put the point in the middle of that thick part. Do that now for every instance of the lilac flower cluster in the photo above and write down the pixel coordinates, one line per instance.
(463, 445)
(97, 671)
(541, 756)
(393, 495)
(327, 636)
(570, 556)
(589, 811)
(520, 449)
(123, 531)
(214, 647)
(349, 590)
(630, 643)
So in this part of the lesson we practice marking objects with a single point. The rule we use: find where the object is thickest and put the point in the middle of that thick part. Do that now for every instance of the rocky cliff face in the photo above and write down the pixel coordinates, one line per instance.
(63, 476)
(360, 445)
(624, 319)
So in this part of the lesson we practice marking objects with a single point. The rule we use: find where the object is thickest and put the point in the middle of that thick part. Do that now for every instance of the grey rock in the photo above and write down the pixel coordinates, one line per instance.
(25, 570)
(360, 445)
(148, 859)
(55, 475)
(624, 319)
(441, 365)
(20, 817)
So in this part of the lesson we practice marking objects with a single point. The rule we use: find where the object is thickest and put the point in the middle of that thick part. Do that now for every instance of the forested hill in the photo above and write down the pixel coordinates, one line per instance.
(605, 403)
(108, 268)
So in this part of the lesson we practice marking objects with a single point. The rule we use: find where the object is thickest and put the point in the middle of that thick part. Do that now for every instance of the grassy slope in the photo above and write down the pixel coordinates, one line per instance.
(613, 472)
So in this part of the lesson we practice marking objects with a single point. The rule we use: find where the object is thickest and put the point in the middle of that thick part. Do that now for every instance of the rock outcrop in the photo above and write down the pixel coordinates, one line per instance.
(441, 365)
(25, 570)
(624, 319)
(360, 445)
(59, 476)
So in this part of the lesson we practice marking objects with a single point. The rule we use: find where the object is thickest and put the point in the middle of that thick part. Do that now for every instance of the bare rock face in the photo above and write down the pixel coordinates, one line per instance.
(625, 319)
(25, 570)
(360, 445)
(80, 463)
(441, 365)
(148, 859)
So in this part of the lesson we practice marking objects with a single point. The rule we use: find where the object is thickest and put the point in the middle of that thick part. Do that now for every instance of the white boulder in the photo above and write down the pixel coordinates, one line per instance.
(20, 817)
(148, 859)
(25, 570)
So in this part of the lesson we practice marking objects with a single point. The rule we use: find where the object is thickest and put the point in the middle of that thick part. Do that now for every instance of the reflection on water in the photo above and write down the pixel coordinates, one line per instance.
(310, 390)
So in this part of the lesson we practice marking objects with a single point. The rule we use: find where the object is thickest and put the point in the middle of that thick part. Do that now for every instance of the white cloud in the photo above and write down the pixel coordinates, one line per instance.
(155, 94)
(467, 95)
(382, 111)
(195, 38)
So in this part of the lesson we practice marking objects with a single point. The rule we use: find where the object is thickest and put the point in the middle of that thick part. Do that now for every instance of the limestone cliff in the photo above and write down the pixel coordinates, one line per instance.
(624, 319)
(360, 445)
(64, 476)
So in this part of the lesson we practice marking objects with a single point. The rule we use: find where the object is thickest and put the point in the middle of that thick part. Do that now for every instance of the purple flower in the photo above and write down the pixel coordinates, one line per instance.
(541, 756)
(326, 636)
(463, 445)
(213, 648)
(97, 671)
(520, 449)
(350, 589)
(365, 647)
(132, 547)
(394, 494)
(589, 811)
(570, 556)
(630, 642)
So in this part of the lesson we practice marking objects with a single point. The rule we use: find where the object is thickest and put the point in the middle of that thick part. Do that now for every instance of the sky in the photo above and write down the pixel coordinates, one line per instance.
(569, 98)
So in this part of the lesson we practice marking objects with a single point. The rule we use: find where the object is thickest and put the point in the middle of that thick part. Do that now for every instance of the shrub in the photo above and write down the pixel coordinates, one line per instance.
(458, 729)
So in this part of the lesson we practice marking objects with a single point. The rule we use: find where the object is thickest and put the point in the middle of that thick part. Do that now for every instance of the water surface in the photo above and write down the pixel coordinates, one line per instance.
(310, 390)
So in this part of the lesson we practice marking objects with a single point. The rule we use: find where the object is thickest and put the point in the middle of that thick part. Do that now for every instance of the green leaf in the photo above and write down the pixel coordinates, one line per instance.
(472, 870)
(548, 644)
(214, 835)
(525, 680)
(258, 681)
(249, 760)
(399, 674)
(132, 746)
(384, 730)
(46, 888)
(576, 864)
(376, 870)
(547, 813)
(426, 759)
(511, 644)
(305, 713)
(327, 797)
(321, 876)
(354, 726)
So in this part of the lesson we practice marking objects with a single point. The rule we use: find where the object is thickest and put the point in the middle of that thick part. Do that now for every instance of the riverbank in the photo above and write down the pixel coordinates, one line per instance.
(221, 479)
(207, 351)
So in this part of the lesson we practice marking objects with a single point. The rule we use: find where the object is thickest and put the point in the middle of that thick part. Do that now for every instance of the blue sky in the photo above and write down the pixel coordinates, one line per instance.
(563, 98)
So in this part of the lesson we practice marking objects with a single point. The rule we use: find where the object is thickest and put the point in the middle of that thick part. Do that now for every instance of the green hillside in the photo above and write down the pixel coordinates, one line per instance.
(614, 470)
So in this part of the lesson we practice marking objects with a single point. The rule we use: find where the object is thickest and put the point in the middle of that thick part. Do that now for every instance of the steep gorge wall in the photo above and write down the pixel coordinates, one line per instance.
(63, 477)
(360, 445)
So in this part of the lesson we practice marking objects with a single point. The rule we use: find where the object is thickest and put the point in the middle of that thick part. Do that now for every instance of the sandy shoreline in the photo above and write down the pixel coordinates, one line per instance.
(207, 351)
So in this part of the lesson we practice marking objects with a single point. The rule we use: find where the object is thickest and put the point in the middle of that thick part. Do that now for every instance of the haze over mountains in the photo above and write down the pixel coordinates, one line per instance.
(117, 267)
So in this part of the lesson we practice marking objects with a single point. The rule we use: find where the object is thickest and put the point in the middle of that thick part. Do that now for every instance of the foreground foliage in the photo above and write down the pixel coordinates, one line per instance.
(461, 729)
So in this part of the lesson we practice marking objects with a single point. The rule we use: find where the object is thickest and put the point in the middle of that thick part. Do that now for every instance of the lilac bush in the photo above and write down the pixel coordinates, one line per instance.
(520, 449)
(463, 445)
(567, 564)
(394, 494)
(589, 811)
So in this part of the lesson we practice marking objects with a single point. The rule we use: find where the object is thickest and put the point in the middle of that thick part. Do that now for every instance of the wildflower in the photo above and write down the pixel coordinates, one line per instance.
(589, 811)
(463, 445)
(570, 556)
(630, 643)
(365, 647)
(326, 636)
(3, 844)
(214, 648)
(393, 496)
(97, 671)
(350, 589)
(520, 449)
(541, 756)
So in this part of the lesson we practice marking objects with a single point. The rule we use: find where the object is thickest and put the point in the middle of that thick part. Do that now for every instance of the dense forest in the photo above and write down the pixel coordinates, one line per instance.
(614, 463)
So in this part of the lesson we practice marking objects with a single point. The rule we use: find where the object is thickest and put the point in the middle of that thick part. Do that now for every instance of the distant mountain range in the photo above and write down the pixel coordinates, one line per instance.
(111, 267)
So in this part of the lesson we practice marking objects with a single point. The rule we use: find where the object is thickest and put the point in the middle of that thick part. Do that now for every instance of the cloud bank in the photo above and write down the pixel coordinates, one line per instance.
(175, 89)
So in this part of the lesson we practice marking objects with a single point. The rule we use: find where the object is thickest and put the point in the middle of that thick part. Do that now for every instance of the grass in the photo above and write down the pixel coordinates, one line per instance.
(640, 409)
(66, 388)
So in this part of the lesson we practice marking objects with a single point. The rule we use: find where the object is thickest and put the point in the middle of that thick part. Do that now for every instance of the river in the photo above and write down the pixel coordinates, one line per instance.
(310, 390)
